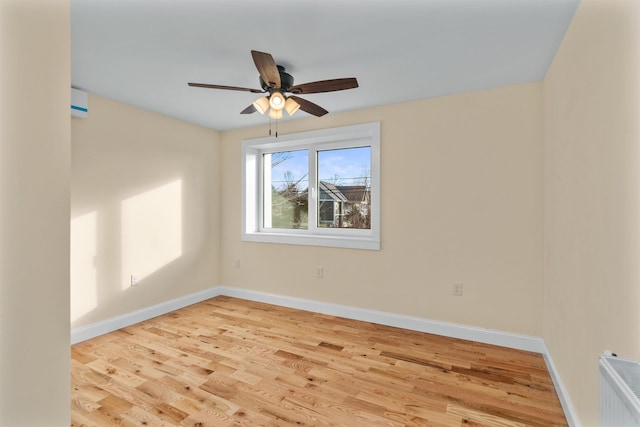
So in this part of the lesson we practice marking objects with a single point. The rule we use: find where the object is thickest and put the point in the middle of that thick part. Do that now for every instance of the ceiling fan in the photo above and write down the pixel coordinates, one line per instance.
(276, 83)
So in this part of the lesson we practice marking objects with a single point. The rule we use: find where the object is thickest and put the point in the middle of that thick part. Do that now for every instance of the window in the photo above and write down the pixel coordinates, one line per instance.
(317, 188)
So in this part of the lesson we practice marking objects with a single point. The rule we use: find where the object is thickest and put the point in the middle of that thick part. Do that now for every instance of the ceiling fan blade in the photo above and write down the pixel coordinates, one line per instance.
(208, 86)
(250, 109)
(325, 86)
(244, 89)
(267, 68)
(309, 106)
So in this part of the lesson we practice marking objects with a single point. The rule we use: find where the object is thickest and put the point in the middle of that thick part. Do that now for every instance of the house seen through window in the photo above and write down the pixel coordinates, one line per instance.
(344, 188)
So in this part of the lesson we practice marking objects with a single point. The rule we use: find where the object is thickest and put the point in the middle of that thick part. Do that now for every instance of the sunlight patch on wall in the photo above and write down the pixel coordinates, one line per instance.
(151, 231)
(84, 276)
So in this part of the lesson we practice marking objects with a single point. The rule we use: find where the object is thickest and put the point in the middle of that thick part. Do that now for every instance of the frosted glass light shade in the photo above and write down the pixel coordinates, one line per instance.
(275, 114)
(276, 101)
(291, 106)
(261, 104)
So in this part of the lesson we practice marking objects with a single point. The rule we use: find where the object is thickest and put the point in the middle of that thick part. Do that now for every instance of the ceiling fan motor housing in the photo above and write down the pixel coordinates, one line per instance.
(286, 81)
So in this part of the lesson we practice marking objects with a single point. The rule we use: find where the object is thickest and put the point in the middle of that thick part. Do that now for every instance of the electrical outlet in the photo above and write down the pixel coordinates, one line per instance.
(457, 289)
(135, 280)
(319, 273)
(236, 263)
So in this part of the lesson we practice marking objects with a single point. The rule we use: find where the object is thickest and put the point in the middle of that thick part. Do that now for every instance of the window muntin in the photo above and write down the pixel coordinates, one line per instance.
(270, 166)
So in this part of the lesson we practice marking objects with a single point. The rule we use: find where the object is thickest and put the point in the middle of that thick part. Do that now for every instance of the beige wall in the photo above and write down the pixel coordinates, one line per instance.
(592, 197)
(461, 202)
(144, 201)
(34, 213)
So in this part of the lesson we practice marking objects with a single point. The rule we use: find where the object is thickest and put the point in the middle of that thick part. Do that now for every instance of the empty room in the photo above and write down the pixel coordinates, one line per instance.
(355, 213)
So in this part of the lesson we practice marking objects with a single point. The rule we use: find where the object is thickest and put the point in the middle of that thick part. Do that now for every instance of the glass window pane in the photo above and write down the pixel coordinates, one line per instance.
(344, 184)
(286, 187)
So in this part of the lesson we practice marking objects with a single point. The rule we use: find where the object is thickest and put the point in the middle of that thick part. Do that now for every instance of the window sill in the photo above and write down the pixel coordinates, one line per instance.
(366, 243)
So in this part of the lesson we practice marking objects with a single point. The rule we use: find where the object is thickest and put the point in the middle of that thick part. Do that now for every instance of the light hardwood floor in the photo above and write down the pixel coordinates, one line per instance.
(232, 362)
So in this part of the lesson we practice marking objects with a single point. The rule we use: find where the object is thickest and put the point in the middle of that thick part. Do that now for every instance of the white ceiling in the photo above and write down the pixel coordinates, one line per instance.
(143, 52)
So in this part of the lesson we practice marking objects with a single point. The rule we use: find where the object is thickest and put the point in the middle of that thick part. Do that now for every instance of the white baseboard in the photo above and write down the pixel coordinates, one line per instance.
(563, 395)
(93, 330)
(487, 336)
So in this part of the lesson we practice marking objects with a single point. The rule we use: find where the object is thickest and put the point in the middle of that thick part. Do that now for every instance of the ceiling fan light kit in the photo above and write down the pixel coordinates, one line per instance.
(276, 82)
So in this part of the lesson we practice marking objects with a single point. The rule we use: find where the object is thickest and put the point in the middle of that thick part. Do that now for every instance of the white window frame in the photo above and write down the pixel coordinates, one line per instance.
(363, 135)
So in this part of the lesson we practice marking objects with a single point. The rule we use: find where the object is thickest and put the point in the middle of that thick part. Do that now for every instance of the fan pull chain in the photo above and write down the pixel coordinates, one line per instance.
(276, 127)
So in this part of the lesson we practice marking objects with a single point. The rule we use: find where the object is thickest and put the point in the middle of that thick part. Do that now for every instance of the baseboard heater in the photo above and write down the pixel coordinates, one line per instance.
(619, 391)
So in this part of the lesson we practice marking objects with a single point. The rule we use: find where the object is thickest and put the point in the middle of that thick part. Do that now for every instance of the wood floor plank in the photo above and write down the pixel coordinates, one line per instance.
(232, 362)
